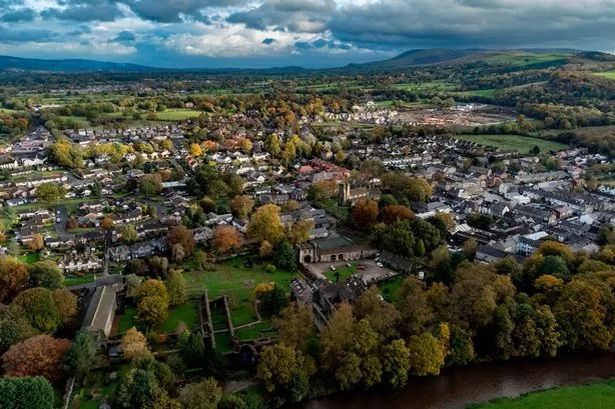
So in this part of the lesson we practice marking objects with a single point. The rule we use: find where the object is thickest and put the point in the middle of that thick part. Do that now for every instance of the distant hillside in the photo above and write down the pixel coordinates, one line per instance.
(69, 65)
(531, 58)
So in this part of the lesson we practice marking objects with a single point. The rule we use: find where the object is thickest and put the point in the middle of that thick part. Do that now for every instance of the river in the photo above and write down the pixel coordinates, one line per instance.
(455, 388)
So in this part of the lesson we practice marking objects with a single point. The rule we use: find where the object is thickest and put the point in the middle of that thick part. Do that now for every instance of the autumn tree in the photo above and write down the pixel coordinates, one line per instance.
(365, 213)
(14, 327)
(36, 243)
(413, 306)
(396, 363)
(181, 235)
(40, 355)
(265, 224)
(106, 223)
(13, 277)
(396, 213)
(66, 303)
(295, 326)
(382, 316)
(299, 231)
(226, 238)
(46, 274)
(242, 205)
(134, 345)
(152, 302)
(284, 372)
(426, 355)
(129, 234)
(195, 150)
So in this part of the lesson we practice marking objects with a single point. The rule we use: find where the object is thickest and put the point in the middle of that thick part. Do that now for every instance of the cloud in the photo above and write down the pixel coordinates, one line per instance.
(84, 11)
(19, 15)
(172, 11)
(268, 41)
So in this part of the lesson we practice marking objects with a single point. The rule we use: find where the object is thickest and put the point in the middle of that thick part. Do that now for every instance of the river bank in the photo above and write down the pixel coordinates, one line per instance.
(457, 388)
(590, 396)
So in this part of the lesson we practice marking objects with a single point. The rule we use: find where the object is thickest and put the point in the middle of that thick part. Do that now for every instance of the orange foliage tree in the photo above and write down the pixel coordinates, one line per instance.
(39, 355)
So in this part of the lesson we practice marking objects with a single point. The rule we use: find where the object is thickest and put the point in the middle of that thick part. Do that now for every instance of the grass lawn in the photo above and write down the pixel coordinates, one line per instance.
(389, 288)
(70, 281)
(517, 143)
(479, 93)
(590, 396)
(224, 342)
(218, 319)
(177, 114)
(344, 273)
(186, 313)
(30, 258)
(255, 331)
(127, 320)
(243, 313)
(607, 74)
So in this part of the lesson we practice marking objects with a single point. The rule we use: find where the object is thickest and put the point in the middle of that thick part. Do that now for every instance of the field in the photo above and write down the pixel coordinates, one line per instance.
(607, 74)
(524, 59)
(30, 258)
(389, 288)
(177, 114)
(517, 143)
(186, 313)
(590, 396)
(344, 273)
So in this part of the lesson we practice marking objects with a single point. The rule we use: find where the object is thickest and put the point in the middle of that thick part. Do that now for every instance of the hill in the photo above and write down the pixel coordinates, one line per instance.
(8, 63)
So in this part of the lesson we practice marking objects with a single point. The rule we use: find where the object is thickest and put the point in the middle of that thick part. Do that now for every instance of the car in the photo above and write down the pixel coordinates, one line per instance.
(348, 265)
(59, 220)
(332, 268)
(361, 267)
(379, 264)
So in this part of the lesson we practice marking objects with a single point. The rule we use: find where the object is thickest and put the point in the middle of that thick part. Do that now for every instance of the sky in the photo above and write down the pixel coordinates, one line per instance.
(308, 33)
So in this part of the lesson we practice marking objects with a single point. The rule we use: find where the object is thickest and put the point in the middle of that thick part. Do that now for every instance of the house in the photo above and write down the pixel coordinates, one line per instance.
(101, 312)
(529, 243)
(333, 249)
(73, 263)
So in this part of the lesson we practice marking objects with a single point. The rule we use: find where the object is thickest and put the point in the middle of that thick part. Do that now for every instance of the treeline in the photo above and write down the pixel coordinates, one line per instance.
(557, 301)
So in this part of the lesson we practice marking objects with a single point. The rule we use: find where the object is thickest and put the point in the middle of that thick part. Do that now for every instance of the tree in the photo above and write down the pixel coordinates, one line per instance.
(265, 224)
(469, 248)
(28, 392)
(295, 326)
(152, 311)
(285, 256)
(226, 238)
(413, 306)
(46, 274)
(396, 213)
(176, 288)
(181, 235)
(36, 243)
(426, 355)
(66, 303)
(134, 345)
(39, 309)
(13, 277)
(106, 223)
(581, 312)
(14, 327)
(39, 355)
(196, 150)
(80, 356)
(273, 301)
(147, 385)
(202, 395)
(284, 373)
(382, 316)
(232, 401)
(150, 184)
(555, 266)
(300, 231)
(266, 249)
(50, 192)
(241, 206)
(396, 363)
(461, 348)
(365, 213)
(129, 234)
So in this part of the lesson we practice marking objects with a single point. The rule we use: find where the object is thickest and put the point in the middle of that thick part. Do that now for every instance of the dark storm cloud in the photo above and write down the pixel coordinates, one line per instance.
(290, 15)
(470, 23)
(171, 11)
(124, 37)
(84, 11)
(20, 15)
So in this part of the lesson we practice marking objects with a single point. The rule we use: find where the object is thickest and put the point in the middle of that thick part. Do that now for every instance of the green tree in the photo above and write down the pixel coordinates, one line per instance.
(50, 192)
(28, 392)
(46, 274)
(272, 302)
(413, 306)
(202, 395)
(285, 256)
(176, 288)
(265, 224)
(129, 234)
(80, 356)
(396, 363)
(14, 327)
(39, 309)
(284, 373)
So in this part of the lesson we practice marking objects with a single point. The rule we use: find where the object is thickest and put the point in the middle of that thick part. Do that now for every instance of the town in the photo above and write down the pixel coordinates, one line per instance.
(174, 247)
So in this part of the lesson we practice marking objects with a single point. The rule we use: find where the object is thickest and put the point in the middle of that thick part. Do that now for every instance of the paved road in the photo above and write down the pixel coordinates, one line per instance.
(60, 218)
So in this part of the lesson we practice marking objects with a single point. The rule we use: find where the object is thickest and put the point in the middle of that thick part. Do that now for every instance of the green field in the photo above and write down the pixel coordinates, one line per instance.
(344, 273)
(30, 258)
(486, 93)
(607, 74)
(186, 313)
(426, 86)
(70, 281)
(177, 114)
(524, 59)
(255, 331)
(521, 144)
(591, 396)
(389, 288)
